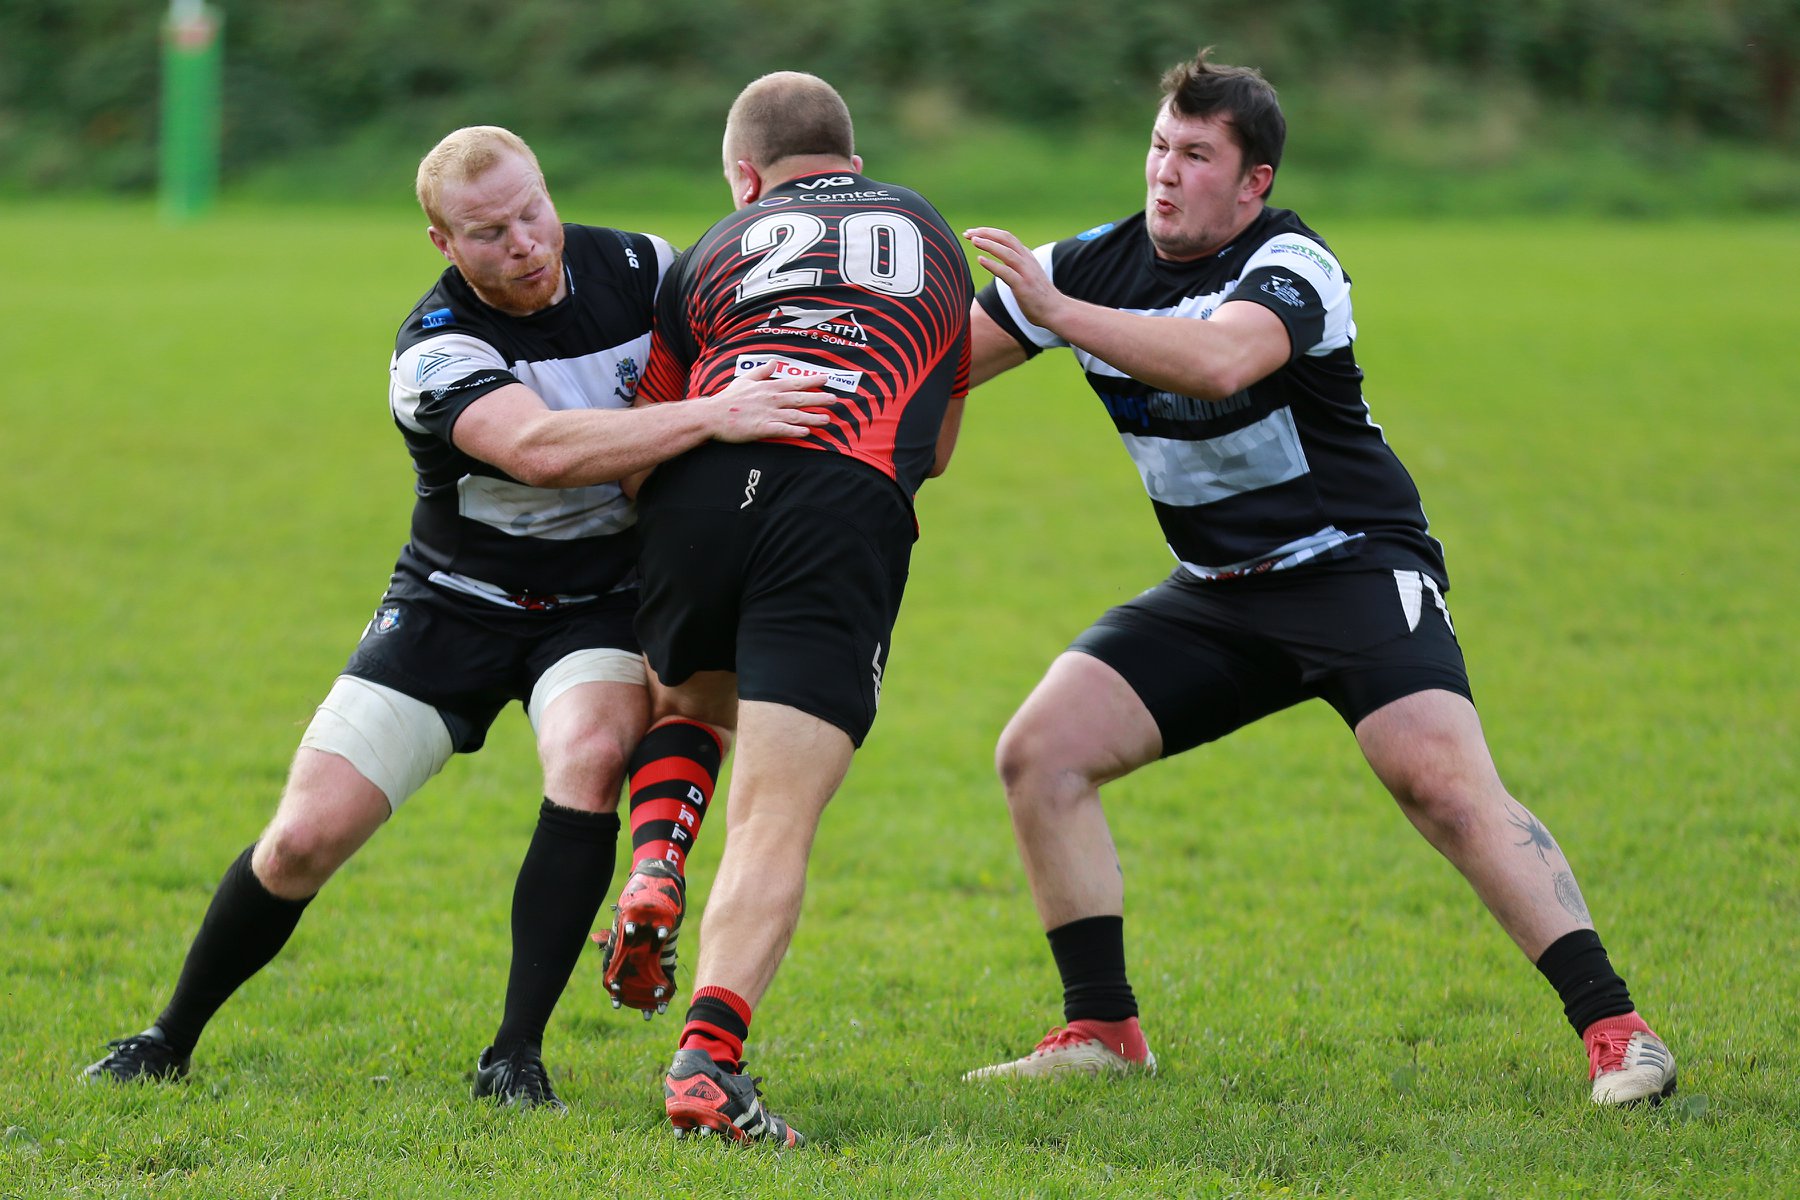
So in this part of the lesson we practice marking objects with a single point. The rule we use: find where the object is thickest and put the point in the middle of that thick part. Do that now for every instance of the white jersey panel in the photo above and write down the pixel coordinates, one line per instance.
(604, 379)
(1184, 472)
(554, 514)
(431, 364)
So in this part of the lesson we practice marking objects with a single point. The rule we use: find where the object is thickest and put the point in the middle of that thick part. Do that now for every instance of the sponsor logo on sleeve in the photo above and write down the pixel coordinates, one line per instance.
(430, 364)
(437, 318)
(1282, 288)
(1307, 252)
(833, 377)
(1088, 235)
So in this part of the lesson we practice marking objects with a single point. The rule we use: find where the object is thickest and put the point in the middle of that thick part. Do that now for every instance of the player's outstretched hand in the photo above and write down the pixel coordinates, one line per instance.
(1012, 262)
(758, 404)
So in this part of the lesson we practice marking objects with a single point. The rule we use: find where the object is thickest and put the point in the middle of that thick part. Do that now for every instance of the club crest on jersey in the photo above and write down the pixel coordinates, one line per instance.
(835, 378)
(629, 374)
(437, 318)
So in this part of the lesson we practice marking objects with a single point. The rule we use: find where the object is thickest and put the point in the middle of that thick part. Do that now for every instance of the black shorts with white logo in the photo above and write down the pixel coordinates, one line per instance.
(783, 564)
(1207, 658)
(467, 658)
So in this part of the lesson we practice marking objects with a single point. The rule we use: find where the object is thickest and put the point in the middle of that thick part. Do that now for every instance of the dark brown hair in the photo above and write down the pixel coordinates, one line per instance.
(1198, 88)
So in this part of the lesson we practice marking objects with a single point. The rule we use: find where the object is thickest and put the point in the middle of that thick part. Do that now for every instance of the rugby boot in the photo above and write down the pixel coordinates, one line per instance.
(1076, 1048)
(516, 1080)
(145, 1055)
(1627, 1062)
(703, 1098)
(638, 963)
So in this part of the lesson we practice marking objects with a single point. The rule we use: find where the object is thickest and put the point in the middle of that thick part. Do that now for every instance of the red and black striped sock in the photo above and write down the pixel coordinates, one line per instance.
(672, 774)
(718, 1021)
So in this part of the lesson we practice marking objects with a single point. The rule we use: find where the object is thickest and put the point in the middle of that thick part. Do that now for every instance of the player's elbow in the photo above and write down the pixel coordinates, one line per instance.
(1218, 381)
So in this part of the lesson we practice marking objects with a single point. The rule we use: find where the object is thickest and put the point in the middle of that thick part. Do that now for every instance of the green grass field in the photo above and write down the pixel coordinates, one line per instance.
(201, 497)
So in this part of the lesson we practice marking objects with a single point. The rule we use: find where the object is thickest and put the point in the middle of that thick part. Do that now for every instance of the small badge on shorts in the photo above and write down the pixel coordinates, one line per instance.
(386, 619)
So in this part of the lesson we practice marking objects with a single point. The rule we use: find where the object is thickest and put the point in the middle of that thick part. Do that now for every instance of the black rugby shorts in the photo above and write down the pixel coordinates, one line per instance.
(467, 658)
(783, 564)
(1207, 658)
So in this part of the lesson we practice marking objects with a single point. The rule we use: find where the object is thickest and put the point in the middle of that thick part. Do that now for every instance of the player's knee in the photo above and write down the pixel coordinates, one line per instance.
(1447, 803)
(584, 766)
(294, 857)
(1037, 769)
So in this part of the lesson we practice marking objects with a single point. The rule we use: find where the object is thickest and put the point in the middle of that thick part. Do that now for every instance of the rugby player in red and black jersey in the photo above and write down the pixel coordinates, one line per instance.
(1217, 332)
(772, 574)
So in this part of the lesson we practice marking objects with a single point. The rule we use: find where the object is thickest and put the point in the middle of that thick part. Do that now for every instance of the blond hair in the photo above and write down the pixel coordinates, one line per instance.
(463, 156)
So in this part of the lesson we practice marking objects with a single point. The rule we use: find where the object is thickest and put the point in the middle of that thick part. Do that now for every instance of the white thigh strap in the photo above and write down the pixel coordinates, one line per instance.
(395, 741)
(597, 665)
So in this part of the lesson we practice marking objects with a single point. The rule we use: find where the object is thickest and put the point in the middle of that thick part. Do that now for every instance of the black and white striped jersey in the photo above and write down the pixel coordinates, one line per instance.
(1290, 470)
(475, 529)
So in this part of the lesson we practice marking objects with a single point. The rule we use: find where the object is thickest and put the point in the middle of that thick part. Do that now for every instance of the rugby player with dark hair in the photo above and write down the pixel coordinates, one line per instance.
(1217, 332)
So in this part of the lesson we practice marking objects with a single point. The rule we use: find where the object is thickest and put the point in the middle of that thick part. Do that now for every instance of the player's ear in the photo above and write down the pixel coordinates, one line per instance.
(439, 240)
(856, 163)
(746, 183)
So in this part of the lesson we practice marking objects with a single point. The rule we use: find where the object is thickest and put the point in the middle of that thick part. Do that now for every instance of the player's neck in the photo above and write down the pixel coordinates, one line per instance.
(806, 166)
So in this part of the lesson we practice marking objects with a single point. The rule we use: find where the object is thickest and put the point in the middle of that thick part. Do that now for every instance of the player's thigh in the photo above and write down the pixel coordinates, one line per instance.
(388, 739)
(822, 594)
(1196, 672)
(789, 764)
(1405, 644)
(585, 736)
(433, 651)
(1428, 746)
(327, 792)
(709, 697)
(1081, 718)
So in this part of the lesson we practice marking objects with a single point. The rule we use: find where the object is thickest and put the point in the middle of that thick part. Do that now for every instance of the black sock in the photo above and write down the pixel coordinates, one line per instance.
(245, 926)
(1090, 956)
(1577, 967)
(562, 883)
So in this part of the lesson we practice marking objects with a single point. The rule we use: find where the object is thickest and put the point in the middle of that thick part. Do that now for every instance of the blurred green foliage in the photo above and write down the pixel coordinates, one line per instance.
(336, 85)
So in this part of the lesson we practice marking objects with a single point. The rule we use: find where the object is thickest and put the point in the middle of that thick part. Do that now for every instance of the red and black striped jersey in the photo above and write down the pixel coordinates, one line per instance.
(859, 282)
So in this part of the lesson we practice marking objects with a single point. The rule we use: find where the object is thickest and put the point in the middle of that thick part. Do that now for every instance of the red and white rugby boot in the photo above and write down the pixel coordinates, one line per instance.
(638, 967)
(703, 1098)
(1627, 1062)
(1089, 1047)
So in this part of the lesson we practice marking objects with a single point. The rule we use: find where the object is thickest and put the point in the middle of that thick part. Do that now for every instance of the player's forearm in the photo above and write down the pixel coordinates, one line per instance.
(582, 447)
(1175, 354)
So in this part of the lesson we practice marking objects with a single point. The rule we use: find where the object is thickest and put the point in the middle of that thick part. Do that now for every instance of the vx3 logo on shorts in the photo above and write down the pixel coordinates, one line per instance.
(876, 662)
(750, 487)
